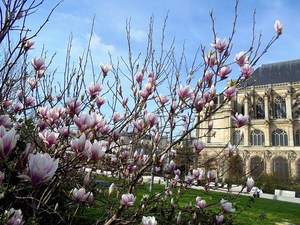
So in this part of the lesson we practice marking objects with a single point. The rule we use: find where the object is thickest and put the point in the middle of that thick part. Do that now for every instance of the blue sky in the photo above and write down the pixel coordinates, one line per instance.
(188, 22)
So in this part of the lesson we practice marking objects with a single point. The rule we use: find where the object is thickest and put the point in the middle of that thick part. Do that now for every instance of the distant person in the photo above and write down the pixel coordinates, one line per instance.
(256, 193)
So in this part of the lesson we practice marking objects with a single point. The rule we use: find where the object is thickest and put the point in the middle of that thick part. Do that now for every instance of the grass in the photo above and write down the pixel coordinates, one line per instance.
(260, 211)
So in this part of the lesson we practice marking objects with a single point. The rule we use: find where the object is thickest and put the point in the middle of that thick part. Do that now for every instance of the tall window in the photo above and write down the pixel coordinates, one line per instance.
(279, 138)
(279, 108)
(257, 137)
(281, 167)
(297, 113)
(237, 139)
(257, 166)
(260, 109)
(297, 138)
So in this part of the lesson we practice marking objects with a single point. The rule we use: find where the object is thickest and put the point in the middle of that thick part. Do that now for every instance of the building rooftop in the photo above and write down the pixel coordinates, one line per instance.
(274, 73)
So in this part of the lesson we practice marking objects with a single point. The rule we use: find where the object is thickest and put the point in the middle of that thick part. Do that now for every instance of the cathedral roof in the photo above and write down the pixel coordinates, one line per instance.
(274, 73)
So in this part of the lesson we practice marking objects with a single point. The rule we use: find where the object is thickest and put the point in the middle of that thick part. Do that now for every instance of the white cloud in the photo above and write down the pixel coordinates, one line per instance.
(138, 35)
(99, 45)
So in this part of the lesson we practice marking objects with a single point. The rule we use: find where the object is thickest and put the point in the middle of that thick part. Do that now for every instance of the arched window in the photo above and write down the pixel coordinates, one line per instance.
(297, 113)
(297, 138)
(279, 108)
(257, 137)
(237, 139)
(260, 109)
(236, 167)
(279, 138)
(256, 166)
(281, 167)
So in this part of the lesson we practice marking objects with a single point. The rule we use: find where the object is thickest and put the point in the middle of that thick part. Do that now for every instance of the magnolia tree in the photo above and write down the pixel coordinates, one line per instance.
(113, 123)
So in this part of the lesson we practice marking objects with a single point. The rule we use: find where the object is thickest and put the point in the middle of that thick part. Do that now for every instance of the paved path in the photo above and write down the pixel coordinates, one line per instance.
(235, 190)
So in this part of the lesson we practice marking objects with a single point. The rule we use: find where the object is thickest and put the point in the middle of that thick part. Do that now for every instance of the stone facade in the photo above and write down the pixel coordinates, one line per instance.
(270, 143)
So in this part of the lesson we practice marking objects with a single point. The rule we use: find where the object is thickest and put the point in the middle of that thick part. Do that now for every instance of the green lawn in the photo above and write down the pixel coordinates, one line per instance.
(261, 211)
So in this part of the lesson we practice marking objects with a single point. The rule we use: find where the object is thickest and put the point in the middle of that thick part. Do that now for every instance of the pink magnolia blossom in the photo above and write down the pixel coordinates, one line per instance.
(147, 91)
(212, 92)
(124, 102)
(40, 74)
(199, 103)
(20, 95)
(151, 119)
(170, 167)
(15, 217)
(84, 121)
(220, 45)
(247, 70)
(94, 89)
(104, 130)
(162, 99)
(139, 77)
(8, 140)
(33, 83)
(127, 199)
(100, 101)
(5, 121)
(80, 145)
(185, 92)
(206, 96)
(249, 184)
(240, 119)
(105, 69)
(208, 77)
(230, 92)
(224, 71)
(7, 103)
(138, 125)
(73, 107)
(149, 220)
(278, 27)
(42, 125)
(168, 192)
(29, 101)
(42, 111)
(162, 158)
(116, 117)
(41, 168)
(226, 206)
(90, 198)
(230, 149)
(54, 114)
(198, 174)
(97, 150)
(201, 204)
(211, 59)
(49, 138)
(111, 189)
(199, 83)
(210, 175)
(220, 219)
(80, 195)
(17, 107)
(38, 64)
(199, 146)
(66, 131)
(28, 44)
(241, 58)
